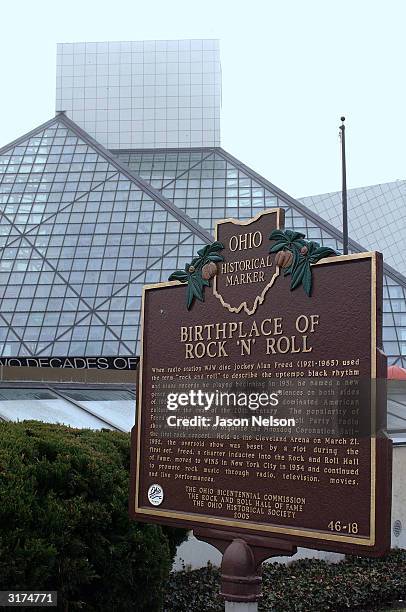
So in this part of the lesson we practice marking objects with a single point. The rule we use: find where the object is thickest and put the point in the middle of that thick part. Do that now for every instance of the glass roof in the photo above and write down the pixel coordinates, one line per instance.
(220, 186)
(81, 232)
(109, 408)
(376, 215)
(160, 167)
(78, 240)
(83, 408)
(396, 415)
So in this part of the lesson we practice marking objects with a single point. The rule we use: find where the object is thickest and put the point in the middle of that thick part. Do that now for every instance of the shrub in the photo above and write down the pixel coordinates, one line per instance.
(308, 585)
(64, 522)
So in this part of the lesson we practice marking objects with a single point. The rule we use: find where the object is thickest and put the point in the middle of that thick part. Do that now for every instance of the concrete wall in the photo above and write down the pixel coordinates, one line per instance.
(195, 554)
(399, 495)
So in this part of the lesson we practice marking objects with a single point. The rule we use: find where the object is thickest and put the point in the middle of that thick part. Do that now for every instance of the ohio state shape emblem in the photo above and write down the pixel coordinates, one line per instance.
(248, 269)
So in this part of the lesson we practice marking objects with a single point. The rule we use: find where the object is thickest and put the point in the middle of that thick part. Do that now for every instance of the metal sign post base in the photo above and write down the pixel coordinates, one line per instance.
(241, 570)
(239, 606)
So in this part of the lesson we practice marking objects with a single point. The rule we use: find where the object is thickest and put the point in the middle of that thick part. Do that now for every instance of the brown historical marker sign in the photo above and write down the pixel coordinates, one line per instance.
(287, 320)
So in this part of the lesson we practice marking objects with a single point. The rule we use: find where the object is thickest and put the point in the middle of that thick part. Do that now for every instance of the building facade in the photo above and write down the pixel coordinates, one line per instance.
(83, 228)
(376, 217)
(164, 93)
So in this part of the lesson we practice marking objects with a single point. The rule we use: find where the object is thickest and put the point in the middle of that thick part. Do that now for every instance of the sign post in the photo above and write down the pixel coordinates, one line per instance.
(261, 401)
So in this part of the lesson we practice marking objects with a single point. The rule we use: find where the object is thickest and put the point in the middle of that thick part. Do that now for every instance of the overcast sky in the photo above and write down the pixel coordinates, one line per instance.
(290, 68)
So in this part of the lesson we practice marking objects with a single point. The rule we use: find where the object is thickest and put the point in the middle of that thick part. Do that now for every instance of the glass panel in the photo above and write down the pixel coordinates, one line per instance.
(90, 233)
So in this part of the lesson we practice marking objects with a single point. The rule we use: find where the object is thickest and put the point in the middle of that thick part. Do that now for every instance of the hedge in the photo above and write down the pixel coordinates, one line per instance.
(64, 522)
(64, 526)
(308, 585)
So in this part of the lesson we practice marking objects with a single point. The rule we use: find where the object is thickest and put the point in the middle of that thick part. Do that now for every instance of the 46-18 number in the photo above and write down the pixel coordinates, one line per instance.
(338, 526)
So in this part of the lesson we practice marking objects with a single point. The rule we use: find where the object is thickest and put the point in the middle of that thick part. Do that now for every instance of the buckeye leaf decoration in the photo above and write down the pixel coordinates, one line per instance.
(287, 241)
(192, 275)
(210, 252)
(304, 254)
(179, 275)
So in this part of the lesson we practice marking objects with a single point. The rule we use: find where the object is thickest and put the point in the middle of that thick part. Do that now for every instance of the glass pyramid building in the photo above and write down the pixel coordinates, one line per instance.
(83, 228)
(376, 215)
